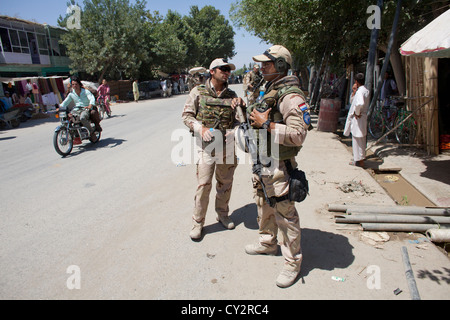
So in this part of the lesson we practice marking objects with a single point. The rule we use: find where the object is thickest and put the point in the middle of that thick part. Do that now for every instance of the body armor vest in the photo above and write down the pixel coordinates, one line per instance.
(272, 99)
(215, 112)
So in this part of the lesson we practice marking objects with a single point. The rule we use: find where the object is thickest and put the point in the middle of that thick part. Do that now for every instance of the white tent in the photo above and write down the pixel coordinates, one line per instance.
(432, 41)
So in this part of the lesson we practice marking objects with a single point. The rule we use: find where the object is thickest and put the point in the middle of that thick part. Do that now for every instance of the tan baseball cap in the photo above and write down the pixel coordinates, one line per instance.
(197, 70)
(220, 62)
(276, 51)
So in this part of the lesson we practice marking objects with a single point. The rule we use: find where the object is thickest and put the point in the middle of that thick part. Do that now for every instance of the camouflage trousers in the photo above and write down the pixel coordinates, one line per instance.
(282, 218)
(224, 172)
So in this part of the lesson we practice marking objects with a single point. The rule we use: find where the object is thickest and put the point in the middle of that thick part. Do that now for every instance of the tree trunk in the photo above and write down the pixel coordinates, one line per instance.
(388, 56)
(397, 68)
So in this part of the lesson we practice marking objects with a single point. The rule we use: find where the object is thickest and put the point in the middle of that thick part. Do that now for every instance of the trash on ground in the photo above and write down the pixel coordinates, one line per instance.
(390, 178)
(353, 186)
(374, 238)
(397, 291)
(339, 279)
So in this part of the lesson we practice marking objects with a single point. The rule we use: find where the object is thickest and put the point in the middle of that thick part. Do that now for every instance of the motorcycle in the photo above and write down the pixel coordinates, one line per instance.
(11, 117)
(103, 108)
(71, 132)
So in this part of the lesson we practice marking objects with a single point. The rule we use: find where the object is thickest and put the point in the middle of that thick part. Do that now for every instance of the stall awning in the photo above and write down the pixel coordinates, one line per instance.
(431, 41)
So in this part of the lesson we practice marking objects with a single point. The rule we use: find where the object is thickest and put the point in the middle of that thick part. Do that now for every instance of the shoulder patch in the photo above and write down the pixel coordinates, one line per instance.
(306, 116)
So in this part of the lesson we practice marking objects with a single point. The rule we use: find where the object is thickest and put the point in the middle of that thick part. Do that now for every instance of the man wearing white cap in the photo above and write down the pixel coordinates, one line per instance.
(209, 114)
(285, 116)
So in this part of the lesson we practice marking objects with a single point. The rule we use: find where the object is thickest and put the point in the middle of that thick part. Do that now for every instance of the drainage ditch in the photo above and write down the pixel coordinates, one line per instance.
(395, 185)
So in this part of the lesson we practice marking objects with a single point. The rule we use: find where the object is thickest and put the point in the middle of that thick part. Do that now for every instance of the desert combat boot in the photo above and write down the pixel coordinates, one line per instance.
(288, 275)
(226, 222)
(196, 231)
(255, 249)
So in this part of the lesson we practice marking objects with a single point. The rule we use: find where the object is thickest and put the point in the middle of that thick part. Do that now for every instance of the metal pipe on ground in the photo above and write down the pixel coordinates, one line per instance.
(402, 227)
(438, 235)
(402, 210)
(410, 275)
(384, 218)
(364, 208)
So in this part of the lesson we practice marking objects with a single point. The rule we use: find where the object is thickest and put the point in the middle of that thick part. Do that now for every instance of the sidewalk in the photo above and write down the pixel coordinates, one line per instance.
(344, 252)
(429, 174)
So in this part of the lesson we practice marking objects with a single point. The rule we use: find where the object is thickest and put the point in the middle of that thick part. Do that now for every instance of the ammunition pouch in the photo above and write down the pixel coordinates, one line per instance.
(298, 184)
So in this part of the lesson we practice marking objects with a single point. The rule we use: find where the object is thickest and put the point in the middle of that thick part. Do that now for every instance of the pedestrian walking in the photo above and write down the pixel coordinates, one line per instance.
(286, 119)
(209, 109)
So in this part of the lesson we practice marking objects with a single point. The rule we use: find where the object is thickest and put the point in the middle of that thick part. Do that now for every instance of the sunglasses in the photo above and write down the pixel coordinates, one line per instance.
(225, 69)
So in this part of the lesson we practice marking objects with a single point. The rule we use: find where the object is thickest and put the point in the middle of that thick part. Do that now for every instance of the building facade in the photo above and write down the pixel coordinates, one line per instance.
(31, 49)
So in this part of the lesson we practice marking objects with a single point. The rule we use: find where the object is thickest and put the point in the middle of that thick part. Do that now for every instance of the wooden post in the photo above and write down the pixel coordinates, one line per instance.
(432, 114)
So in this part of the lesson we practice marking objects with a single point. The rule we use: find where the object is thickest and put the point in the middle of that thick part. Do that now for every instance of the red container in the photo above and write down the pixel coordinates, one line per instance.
(329, 115)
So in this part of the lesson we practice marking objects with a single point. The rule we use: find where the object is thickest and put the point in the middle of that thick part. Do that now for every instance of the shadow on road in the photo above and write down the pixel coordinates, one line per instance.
(103, 143)
(321, 250)
(246, 215)
(324, 250)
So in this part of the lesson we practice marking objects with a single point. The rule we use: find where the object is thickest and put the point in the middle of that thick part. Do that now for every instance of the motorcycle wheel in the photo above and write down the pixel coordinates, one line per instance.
(15, 123)
(97, 135)
(63, 142)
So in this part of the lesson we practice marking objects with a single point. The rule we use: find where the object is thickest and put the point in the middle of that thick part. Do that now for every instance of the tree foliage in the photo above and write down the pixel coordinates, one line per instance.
(112, 37)
(212, 36)
(118, 38)
(309, 28)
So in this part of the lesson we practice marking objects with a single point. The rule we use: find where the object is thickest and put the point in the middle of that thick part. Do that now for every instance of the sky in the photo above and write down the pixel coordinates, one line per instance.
(48, 11)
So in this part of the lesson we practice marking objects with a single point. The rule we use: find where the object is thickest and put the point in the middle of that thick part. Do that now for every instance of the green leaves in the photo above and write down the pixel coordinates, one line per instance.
(119, 38)
(307, 27)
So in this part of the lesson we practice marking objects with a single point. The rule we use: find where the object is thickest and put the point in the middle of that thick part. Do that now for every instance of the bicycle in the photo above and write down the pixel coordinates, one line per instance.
(405, 133)
(384, 117)
(103, 108)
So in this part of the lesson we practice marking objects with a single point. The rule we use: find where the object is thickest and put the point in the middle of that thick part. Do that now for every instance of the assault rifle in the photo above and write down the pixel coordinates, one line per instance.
(251, 147)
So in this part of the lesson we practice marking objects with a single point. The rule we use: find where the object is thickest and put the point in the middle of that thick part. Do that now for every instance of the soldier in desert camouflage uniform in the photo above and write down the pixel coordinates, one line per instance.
(196, 77)
(286, 119)
(209, 114)
(253, 80)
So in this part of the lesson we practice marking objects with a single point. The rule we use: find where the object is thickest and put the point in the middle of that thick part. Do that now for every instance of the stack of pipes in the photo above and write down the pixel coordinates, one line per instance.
(432, 221)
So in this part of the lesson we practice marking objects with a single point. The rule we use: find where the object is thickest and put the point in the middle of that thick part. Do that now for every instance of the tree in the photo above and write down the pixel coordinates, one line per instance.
(337, 27)
(112, 37)
(212, 35)
(171, 47)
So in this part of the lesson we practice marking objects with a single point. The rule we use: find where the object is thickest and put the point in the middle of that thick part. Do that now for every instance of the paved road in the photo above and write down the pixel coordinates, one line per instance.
(114, 218)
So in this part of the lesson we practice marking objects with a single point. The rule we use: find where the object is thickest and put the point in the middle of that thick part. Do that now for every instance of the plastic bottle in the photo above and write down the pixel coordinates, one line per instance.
(261, 96)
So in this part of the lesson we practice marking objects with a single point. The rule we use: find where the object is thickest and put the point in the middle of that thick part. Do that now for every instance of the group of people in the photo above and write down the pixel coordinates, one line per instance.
(211, 112)
(212, 108)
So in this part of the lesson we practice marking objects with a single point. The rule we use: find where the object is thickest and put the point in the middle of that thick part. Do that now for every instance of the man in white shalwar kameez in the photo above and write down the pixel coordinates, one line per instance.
(356, 123)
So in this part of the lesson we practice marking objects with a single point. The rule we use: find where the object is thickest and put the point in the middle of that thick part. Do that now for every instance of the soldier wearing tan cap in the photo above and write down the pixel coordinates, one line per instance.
(286, 118)
(209, 114)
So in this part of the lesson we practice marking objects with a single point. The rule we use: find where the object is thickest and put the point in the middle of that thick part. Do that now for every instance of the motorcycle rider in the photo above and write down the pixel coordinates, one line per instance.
(84, 105)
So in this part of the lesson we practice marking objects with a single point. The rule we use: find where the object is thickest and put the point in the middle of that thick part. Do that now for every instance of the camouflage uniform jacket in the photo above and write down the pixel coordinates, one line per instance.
(192, 105)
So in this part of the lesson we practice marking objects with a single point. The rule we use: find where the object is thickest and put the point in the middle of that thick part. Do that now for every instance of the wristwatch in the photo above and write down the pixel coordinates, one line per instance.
(266, 125)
